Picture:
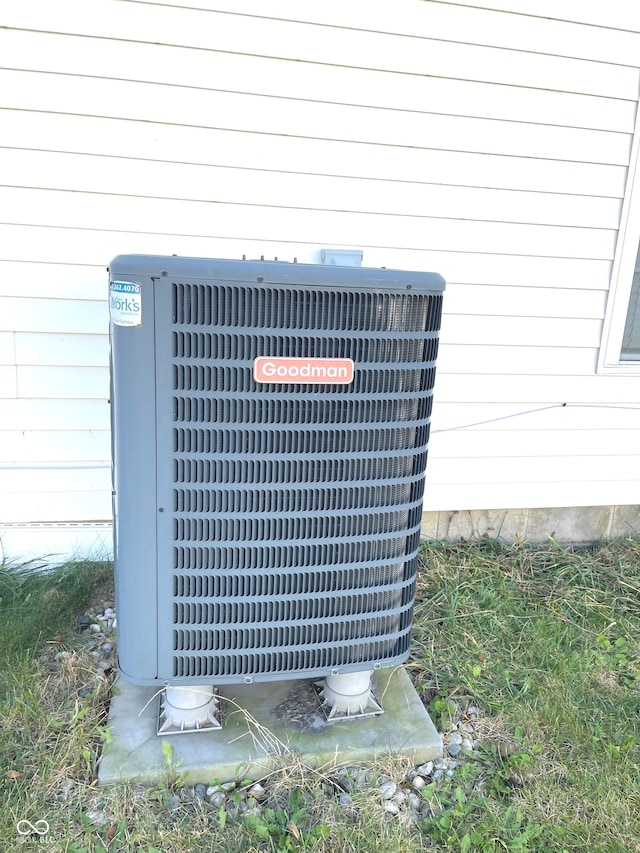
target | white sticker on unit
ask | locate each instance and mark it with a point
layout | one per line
(125, 303)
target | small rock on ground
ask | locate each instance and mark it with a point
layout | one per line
(388, 789)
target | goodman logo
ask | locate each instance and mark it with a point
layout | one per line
(310, 371)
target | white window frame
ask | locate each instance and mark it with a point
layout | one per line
(622, 272)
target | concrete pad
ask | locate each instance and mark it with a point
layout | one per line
(264, 726)
(429, 525)
(626, 521)
(568, 525)
(573, 525)
(508, 525)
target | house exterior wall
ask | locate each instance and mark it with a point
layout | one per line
(487, 142)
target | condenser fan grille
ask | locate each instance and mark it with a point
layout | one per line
(288, 490)
(293, 501)
(300, 409)
(239, 587)
(302, 441)
(334, 344)
(294, 308)
(286, 662)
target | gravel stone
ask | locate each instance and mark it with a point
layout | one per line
(453, 749)
(94, 628)
(217, 799)
(345, 799)
(437, 773)
(418, 783)
(345, 779)
(414, 801)
(200, 791)
(228, 786)
(427, 810)
(174, 803)
(257, 791)
(426, 769)
(467, 744)
(391, 808)
(455, 738)
(388, 789)
(361, 780)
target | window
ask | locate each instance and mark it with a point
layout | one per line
(631, 336)
(620, 345)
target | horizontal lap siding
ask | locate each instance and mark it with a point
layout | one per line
(32, 278)
(509, 417)
(618, 14)
(50, 506)
(487, 145)
(32, 414)
(183, 69)
(218, 184)
(157, 143)
(428, 18)
(78, 211)
(39, 265)
(415, 37)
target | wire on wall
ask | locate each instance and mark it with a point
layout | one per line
(539, 409)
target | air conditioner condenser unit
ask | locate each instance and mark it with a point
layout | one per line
(270, 424)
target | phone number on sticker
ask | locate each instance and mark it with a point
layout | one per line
(124, 287)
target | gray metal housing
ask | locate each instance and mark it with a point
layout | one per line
(267, 531)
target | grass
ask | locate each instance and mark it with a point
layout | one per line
(543, 641)
(547, 641)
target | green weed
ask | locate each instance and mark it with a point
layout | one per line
(287, 831)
